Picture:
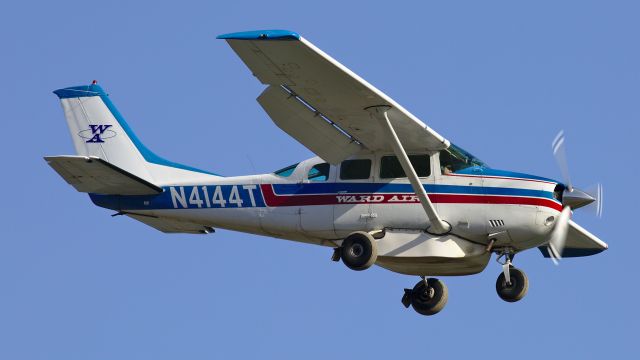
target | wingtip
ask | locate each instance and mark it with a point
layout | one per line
(261, 35)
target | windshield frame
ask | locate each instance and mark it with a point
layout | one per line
(463, 158)
(474, 159)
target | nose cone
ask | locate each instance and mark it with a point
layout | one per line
(576, 198)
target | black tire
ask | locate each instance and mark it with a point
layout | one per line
(518, 288)
(359, 251)
(431, 299)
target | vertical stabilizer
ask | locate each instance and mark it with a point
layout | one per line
(98, 129)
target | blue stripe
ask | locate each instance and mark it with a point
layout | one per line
(96, 90)
(367, 188)
(503, 173)
(261, 35)
(165, 200)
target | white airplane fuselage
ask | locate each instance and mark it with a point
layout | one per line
(512, 209)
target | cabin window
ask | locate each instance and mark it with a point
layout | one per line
(286, 172)
(319, 172)
(355, 169)
(390, 167)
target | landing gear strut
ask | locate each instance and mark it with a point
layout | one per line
(512, 284)
(428, 296)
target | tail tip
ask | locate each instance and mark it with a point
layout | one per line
(80, 91)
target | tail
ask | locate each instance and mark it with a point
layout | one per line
(98, 130)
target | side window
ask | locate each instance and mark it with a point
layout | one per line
(286, 172)
(390, 167)
(355, 169)
(319, 172)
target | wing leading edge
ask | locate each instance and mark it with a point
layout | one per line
(330, 92)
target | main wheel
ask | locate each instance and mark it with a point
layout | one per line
(359, 251)
(429, 299)
(518, 287)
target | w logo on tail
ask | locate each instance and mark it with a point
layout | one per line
(97, 133)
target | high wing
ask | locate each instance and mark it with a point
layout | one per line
(580, 242)
(320, 102)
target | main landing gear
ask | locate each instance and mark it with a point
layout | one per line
(428, 296)
(358, 251)
(512, 284)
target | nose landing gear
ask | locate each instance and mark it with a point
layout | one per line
(512, 284)
(428, 296)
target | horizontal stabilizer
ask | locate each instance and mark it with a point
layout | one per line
(91, 174)
(579, 243)
(171, 226)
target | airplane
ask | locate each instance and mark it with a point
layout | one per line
(384, 189)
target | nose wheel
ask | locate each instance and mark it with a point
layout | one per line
(428, 296)
(512, 284)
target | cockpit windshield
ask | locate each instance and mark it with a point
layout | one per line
(286, 172)
(455, 159)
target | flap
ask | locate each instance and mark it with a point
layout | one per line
(91, 174)
(306, 126)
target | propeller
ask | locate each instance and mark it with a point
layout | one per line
(572, 198)
(558, 236)
(597, 192)
(560, 154)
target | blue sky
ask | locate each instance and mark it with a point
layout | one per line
(499, 78)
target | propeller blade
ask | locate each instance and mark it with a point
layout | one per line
(558, 236)
(597, 192)
(560, 154)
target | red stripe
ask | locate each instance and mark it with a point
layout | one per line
(272, 200)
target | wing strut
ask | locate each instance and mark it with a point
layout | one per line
(438, 226)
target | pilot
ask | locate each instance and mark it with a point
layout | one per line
(446, 170)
